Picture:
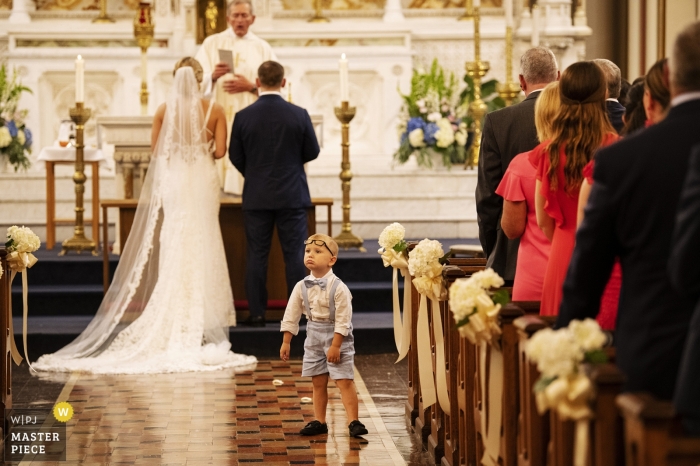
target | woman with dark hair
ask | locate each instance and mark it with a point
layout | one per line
(657, 97)
(635, 116)
(580, 127)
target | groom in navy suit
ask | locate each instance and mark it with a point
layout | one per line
(271, 140)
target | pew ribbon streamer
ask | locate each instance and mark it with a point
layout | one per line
(492, 413)
(402, 330)
(431, 287)
(570, 396)
(19, 262)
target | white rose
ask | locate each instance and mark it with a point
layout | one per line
(21, 138)
(487, 279)
(392, 235)
(415, 138)
(24, 239)
(444, 137)
(587, 334)
(555, 352)
(434, 117)
(461, 138)
(421, 258)
(5, 138)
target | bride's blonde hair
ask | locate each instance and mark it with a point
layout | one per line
(192, 63)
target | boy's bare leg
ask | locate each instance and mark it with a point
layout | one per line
(320, 383)
(348, 394)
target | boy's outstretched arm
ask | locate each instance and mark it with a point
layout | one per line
(284, 350)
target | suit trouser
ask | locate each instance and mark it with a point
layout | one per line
(292, 229)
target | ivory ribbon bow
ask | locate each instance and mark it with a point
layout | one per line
(570, 397)
(19, 262)
(483, 324)
(402, 331)
(430, 286)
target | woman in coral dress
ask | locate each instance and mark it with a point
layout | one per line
(580, 128)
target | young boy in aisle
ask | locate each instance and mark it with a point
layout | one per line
(329, 347)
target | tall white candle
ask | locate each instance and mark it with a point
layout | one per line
(509, 13)
(535, 26)
(344, 89)
(79, 79)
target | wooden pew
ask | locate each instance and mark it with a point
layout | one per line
(653, 435)
(5, 316)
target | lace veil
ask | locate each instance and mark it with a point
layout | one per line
(181, 148)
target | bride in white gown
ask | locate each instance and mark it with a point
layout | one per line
(168, 307)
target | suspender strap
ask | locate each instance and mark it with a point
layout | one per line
(305, 297)
(331, 299)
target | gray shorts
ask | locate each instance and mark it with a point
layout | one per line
(319, 336)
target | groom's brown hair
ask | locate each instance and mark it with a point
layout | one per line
(271, 74)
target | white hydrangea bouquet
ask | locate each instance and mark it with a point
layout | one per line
(559, 355)
(393, 246)
(475, 303)
(425, 265)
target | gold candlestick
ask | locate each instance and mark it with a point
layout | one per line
(143, 32)
(476, 70)
(318, 14)
(80, 115)
(346, 239)
(509, 90)
(103, 17)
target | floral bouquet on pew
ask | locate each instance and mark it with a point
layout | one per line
(21, 243)
(425, 265)
(475, 303)
(559, 355)
(394, 249)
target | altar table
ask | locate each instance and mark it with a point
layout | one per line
(233, 233)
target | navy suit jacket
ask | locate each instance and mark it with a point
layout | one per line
(631, 214)
(615, 112)
(685, 276)
(271, 140)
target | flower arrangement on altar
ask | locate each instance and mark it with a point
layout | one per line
(435, 117)
(475, 303)
(559, 355)
(15, 137)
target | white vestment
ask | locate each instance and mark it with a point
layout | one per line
(249, 52)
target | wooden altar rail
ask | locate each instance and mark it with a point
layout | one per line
(652, 435)
(5, 335)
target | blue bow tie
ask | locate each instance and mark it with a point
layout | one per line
(310, 282)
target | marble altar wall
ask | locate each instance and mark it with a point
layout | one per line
(43, 45)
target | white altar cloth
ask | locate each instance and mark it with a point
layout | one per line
(67, 154)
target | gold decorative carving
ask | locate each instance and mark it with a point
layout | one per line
(341, 5)
(5, 4)
(211, 18)
(211, 14)
(441, 4)
(81, 5)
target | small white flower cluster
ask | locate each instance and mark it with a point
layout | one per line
(469, 298)
(417, 138)
(392, 235)
(23, 239)
(423, 257)
(558, 353)
(5, 137)
(445, 135)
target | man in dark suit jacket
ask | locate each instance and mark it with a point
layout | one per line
(684, 272)
(614, 79)
(631, 214)
(271, 140)
(507, 133)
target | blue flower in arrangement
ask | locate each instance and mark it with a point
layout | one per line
(15, 138)
(12, 127)
(415, 123)
(430, 130)
(28, 138)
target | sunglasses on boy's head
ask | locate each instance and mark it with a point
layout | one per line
(319, 242)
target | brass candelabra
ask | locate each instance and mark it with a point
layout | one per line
(318, 14)
(346, 239)
(103, 17)
(476, 70)
(80, 115)
(509, 90)
(143, 32)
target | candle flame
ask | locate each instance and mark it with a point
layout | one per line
(80, 57)
(342, 56)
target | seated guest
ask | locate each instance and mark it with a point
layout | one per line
(613, 80)
(685, 276)
(635, 115)
(579, 128)
(656, 94)
(624, 90)
(519, 219)
(631, 214)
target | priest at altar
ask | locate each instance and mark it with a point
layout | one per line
(233, 89)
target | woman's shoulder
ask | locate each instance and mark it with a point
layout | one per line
(537, 156)
(522, 166)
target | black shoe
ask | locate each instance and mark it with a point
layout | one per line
(314, 428)
(254, 321)
(357, 428)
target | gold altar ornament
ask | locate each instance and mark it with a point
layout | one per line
(212, 15)
(143, 32)
(318, 14)
(509, 90)
(80, 115)
(103, 17)
(476, 70)
(346, 239)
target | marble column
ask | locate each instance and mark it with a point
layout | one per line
(393, 12)
(19, 13)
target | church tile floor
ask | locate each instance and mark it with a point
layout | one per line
(224, 418)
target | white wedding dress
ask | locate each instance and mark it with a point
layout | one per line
(168, 307)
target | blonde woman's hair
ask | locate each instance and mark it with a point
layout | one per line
(192, 63)
(581, 123)
(330, 242)
(546, 108)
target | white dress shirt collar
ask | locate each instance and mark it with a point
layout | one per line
(260, 94)
(330, 272)
(685, 97)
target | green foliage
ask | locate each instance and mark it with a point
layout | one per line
(501, 297)
(596, 357)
